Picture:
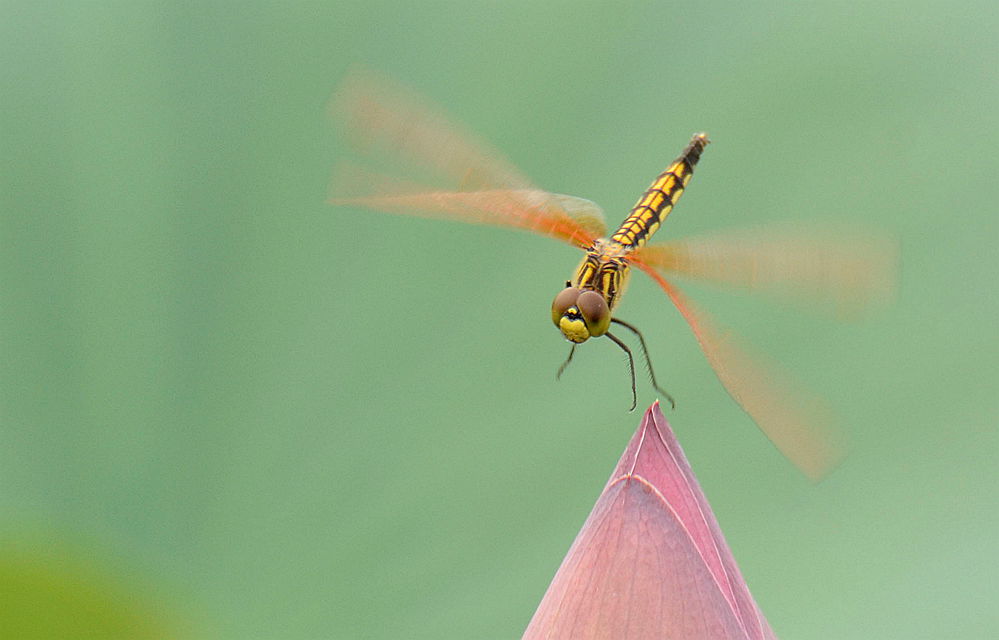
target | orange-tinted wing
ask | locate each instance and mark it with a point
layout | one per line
(798, 423)
(573, 220)
(845, 272)
(450, 173)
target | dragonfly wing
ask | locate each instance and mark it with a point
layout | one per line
(383, 119)
(797, 422)
(387, 123)
(533, 210)
(586, 213)
(845, 272)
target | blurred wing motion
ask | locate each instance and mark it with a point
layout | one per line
(573, 220)
(472, 182)
(848, 273)
(798, 423)
(844, 272)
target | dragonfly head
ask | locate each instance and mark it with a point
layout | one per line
(580, 314)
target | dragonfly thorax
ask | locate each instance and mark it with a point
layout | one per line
(604, 269)
(608, 249)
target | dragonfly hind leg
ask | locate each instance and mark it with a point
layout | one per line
(631, 367)
(648, 361)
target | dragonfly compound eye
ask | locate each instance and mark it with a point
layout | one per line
(596, 314)
(568, 318)
(563, 301)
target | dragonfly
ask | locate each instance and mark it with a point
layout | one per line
(437, 168)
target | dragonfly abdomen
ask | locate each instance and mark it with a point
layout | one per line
(658, 200)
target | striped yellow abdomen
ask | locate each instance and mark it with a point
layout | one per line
(658, 200)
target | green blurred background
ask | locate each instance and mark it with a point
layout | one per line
(225, 414)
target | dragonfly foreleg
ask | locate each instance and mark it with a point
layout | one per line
(565, 364)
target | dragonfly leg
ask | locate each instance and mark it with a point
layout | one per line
(648, 361)
(565, 364)
(631, 366)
